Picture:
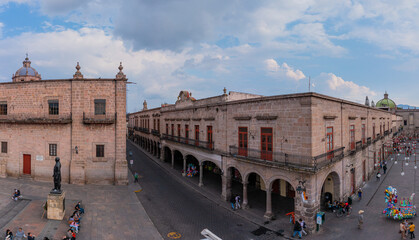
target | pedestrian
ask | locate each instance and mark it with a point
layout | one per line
(237, 203)
(297, 229)
(360, 194)
(232, 202)
(20, 234)
(378, 175)
(136, 177)
(303, 226)
(402, 230)
(412, 230)
(9, 235)
(360, 218)
(31, 236)
(385, 168)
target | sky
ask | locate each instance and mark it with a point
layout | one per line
(347, 49)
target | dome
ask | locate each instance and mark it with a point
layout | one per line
(386, 103)
(26, 73)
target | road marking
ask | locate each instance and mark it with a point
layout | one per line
(174, 235)
(138, 190)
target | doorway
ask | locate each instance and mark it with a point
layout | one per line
(26, 164)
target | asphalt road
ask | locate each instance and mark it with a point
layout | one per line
(175, 207)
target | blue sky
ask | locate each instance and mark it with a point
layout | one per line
(349, 49)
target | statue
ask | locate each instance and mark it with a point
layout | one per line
(57, 176)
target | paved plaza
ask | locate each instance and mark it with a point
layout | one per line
(112, 212)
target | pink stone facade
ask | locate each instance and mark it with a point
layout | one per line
(29, 129)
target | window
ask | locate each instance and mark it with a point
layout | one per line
(53, 107)
(329, 142)
(197, 135)
(53, 149)
(173, 129)
(405, 122)
(158, 125)
(3, 108)
(167, 129)
(352, 136)
(100, 150)
(363, 133)
(373, 131)
(243, 141)
(381, 129)
(209, 136)
(3, 147)
(266, 143)
(187, 133)
(154, 124)
(178, 131)
(100, 106)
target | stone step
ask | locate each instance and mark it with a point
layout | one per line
(9, 212)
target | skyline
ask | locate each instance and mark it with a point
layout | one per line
(349, 49)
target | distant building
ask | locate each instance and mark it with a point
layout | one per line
(80, 120)
(292, 151)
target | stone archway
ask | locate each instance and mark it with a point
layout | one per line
(330, 189)
(210, 176)
(233, 184)
(177, 160)
(282, 198)
(254, 191)
(167, 155)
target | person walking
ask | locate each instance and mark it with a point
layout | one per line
(378, 175)
(20, 234)
(31, 236)
(9, 235)
(360, 218)
(359, 194)
(136, 177)
(303, 226)
(232, 202)
(412, 230)
(402, 230)
(237, 203)
(384, 168)
(297, 229)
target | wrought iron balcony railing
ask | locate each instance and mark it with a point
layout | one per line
(190, 142)
(281, 159)
(358, 145)
(144, 130)
(155, 132)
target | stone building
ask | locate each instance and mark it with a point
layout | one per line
(280, 153)
(80, 120)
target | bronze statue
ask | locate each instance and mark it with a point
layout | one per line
(57, 176)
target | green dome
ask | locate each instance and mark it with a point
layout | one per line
(385, 102)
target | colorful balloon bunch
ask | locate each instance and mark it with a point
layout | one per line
(405, 210)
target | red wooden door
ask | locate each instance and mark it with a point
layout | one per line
(364, 171)
(329, 142)
(209, 136)
(26, 164)
(352, 134)
(266, 144)
(197, 135)
(243, 141)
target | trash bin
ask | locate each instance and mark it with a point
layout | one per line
(320, 218)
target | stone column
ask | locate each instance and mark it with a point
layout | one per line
(268, 214)
(245, 203)
(226, 187)
(201, 174)
(173, 160)
(184, 166)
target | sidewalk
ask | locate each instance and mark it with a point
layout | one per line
(112, 212)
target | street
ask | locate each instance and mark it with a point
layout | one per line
(176, 208)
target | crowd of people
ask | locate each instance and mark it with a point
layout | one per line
(407, 229)
(20, 235)
(74, 222)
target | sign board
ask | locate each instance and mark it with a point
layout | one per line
(39, 158)
(319, 219)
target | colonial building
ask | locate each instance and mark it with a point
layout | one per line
(80, 120)
(292, 151)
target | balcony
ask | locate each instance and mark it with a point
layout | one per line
(91, 118)
(144, 130)
(155, 132)
(280, 159)
(190, 142)
(36, 118)
(369, 141)
(358, 145)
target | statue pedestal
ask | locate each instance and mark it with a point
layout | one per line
(56, 206)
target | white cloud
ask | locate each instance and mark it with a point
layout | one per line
(284, 70)
(345, 89)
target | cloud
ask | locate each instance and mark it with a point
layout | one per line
(344, 89)
(274, 68)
